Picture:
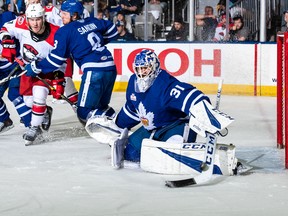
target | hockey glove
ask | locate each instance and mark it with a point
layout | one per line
(32, 70)
(9, 49)
(58, 85)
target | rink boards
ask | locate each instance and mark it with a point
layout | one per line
(247, 68)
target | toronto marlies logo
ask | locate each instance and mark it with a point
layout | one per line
(146, 118)
(29, 53)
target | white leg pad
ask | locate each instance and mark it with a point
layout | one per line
(184, 158)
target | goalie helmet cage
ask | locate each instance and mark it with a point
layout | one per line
(282, 93)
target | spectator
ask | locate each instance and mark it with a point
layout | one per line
(88, 5)
(221, 30)
(7, 7)
(113, 7)
(124, 35)
(179, 31)
(221, 7)
(164, 4)
(19, 6)
(233, 8)
(121, 17)
(284, 27)
(131, 8)
(239, 32)
(209, 23)
(156, 10)
(100, 14)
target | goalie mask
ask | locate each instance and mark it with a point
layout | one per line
(146, 66)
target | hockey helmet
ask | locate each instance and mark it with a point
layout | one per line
(34, 11)
(27, 2)
(72, 6)
(146, 66)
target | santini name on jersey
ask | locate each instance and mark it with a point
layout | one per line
(87, 28)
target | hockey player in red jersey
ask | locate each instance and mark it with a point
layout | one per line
(36, 37)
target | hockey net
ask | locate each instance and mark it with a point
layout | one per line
(282, 93)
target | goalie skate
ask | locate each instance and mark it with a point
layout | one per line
(242, 168)
(117, 150)
(34, 134)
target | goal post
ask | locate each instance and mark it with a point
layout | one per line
(282, 93)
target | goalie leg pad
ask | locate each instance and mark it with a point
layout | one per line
(184, 158)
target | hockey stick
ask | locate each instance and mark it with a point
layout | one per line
(74, 106)
(209, 157)
(11, 75)
(21, 64)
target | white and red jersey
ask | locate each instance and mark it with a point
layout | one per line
(220, 32)
(52, 15)
(31, 47)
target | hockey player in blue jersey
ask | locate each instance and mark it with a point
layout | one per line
(7, 65)
(157, 100)
(85, 40)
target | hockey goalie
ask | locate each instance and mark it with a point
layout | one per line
(168, 115)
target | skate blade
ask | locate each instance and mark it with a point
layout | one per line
(39, 139)
(6, 129)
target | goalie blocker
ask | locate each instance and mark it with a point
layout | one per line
(185, 158)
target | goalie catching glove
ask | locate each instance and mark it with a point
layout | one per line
(103, 129)
(205, 118)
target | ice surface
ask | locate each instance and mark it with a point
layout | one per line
(70, 174)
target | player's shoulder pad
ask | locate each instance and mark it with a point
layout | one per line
(21, 22)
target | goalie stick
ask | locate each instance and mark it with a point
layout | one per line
(208, 163)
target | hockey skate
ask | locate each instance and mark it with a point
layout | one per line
(117, 150)
(33, 133)
(6, 125)
(47, 118)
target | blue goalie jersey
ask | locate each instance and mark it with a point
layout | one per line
(166, 101)
(85, 40)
